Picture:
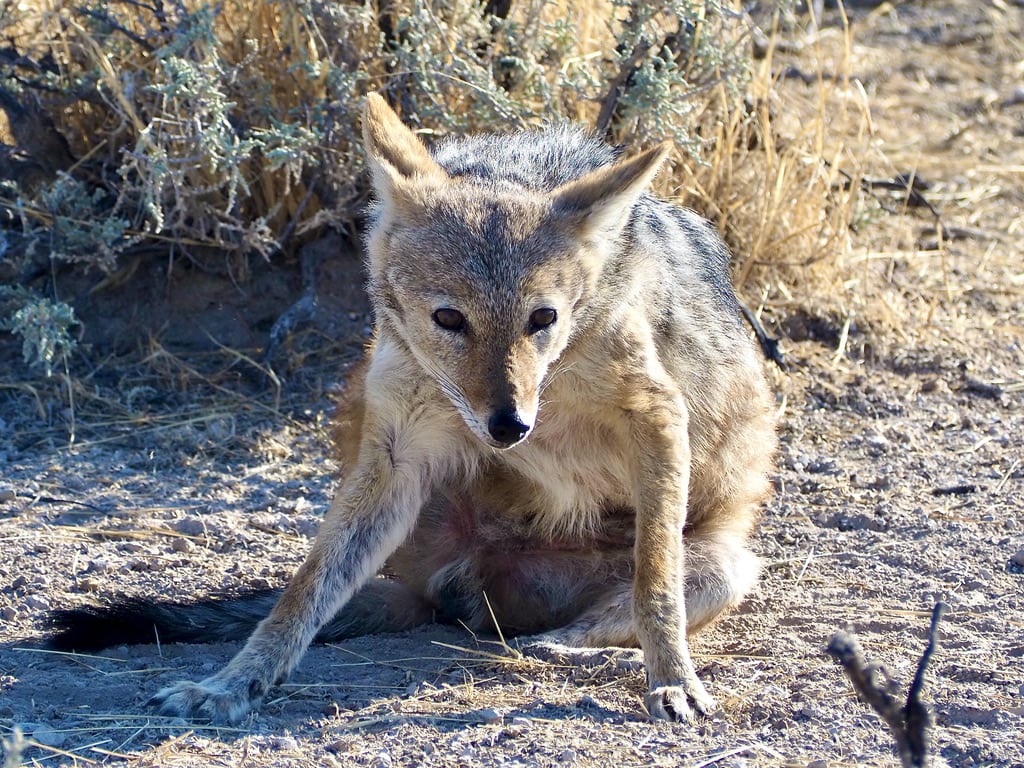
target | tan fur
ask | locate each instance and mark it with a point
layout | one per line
(621, 517)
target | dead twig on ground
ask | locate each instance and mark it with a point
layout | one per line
(56, 500)
(769, 344)
(910, 723)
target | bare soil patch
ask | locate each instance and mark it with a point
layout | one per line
(901, 481)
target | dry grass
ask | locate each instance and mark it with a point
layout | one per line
(767, 170)
(208, 126)
(220, 403)
(917, 271)
(780, 165)
(781, 177)
(217, 137)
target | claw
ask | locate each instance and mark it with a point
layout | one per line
(673, 703)
(670, 700)
(211, 700)
(668, 703)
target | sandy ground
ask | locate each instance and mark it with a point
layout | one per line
(901, 481)
(895, 489)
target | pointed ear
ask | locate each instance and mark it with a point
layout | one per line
(398, 159)
(599, 203)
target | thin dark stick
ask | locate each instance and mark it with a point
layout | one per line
(105, 18)
(911, 723)
(769, 344)
(618, 86)
(55, 500)
(915, 687)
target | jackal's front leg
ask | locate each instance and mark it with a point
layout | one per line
(371, 515)
(660, 429)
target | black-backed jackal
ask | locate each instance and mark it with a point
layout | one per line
(560, 411)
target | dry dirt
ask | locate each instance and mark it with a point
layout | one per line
(901, 481)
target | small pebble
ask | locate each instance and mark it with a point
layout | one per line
(37, 603)
(182, 545)
(338, 747)
(6, 495)
(487, 715)
(284, 744)
(935, 385)
(190, 526)
(876, 443)
(89, 585)
(1018, 558)
(43, 734)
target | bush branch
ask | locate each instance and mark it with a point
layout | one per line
(910, 724)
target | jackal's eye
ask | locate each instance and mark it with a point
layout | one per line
(542, 318)
(450, 319)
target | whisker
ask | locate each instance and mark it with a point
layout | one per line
(453, 392)
(560, 369)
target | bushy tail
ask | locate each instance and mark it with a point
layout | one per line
(381, 606)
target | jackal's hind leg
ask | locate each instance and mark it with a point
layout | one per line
(381, 605)
(585, 643)
(720, 571)
(603, 636)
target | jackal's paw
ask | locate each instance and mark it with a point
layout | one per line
(676, 703)
(217, 699)
(618, 659)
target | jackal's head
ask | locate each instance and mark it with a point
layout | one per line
(484, 280)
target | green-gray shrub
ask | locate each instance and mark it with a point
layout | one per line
(43, 325)
(201, 138)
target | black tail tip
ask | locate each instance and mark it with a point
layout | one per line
(93, 629)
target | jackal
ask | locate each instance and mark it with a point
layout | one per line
(561, 425)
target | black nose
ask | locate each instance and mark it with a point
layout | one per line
(506, 428)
